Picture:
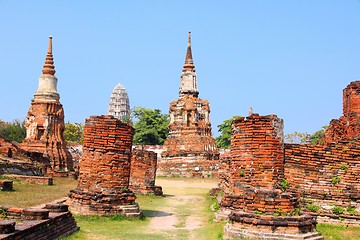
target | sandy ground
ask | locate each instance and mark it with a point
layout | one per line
(178, 196)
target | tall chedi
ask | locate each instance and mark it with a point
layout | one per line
(45, 121)
(119, 105)
(189, 145)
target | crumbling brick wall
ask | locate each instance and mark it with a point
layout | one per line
(347, 127)
(326, 172)
(105, 169)
(143, 172)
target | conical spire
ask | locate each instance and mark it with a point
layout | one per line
(189, 63)
(49, 68)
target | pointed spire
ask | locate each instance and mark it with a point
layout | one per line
(189, 63)
(250, 111)
(49, 68)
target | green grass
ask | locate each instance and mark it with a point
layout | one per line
(183, 198)
(28, 194)
(338, 232)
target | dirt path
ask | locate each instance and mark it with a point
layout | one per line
(184, 207)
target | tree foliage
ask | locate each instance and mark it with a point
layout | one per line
(13, 131)
(151, 126)
(318, 136)
(74, 132)
(224, 140)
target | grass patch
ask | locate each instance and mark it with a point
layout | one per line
(184, 198)
(338, 232)
(28, 194)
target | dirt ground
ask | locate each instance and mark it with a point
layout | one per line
(182, 198)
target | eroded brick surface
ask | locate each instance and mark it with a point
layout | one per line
(347, 127)
(103, 183)
(143, 172)
(255, 185)
(52, 222)
(46, 121)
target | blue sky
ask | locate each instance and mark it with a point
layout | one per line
(290, 58)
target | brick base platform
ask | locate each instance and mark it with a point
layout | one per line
(92, 203)
(37, 223)
(254, 226)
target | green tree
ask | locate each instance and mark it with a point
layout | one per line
(318, 136)
(151, 126)
(13, 131)
(74, 132)
(224, 140)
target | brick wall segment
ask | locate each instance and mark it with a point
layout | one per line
(143, 172)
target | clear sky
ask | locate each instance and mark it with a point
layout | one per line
(290, 58)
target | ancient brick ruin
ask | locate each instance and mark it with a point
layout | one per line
(189, 149)
(143, 172)
(347, 127)
(45, 121)
(15, 160)
(257, 197)
(328, 175)
(103, 183)
(52, 222)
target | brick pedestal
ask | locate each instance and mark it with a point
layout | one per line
(257, 198)
(103, 183)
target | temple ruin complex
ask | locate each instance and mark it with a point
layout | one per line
(189, 150)
(45, 121)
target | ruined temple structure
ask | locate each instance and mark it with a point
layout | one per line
(143, 172)
(103, 183)
(347, 127)
(190, 149)
(260, 206)
(45, 121)
(328, 174)
(119, 105)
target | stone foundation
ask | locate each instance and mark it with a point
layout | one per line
(143, 172)
(51, 223)
(103, 183)
(97, 203)
(252, 226)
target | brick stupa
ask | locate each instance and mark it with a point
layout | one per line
(259, 204)
(45, 121)
(103, 183)
(189, 137)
